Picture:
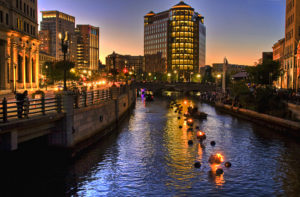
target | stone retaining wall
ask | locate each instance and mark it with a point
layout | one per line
(279, 124)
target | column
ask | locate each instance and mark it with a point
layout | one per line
(3, 66)
(13, 63)
(30, 67)
(37, 67)
(24, 68)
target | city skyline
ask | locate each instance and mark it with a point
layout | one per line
(225, 22)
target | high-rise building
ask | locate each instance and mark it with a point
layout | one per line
(57, 22)
(292, 37)
(180, 35)
(154, 63)
(87, 47)
(278, 55)
(19, 46)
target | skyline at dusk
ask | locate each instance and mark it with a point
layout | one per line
(239, 30)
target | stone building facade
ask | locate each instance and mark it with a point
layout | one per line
(19, 45)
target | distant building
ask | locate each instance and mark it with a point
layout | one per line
(87, 47)
(231, 68)
(57, 22)
(45, 57)
(179, 35)
(278, 55)
(266, 56)
(132, 63)
(45, 41)
(19, 45)
(292, 37)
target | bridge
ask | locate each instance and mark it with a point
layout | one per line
(180, 87)
(67, 119)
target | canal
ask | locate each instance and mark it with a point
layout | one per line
(149, 155)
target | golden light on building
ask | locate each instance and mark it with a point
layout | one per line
(179, 35)
(19, 46)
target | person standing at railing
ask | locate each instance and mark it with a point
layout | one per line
(20, 102)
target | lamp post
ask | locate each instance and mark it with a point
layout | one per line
(46, 77)
(191, 74)
(114, 67)
(218, 78)
(64, 49)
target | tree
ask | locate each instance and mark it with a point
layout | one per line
(264, 73)
(208, 76)
(54, 71)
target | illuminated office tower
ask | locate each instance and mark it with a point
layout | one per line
(57, 22)
(180, 35)
(87, 47)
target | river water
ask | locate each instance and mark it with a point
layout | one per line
(149, 155)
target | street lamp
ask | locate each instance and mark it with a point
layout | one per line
(218, 77)
(64, 49)
(46, 77)
(114, 67)
(191, 73)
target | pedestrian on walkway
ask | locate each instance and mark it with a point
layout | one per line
(20, 102)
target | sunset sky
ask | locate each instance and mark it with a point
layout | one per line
(237, 29)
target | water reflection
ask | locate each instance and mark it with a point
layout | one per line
(218, 179)
(149, 156)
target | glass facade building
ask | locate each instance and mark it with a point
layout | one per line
(87, 47)
(180, 35)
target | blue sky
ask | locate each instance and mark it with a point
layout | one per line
(237, 29)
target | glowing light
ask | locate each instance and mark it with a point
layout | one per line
(72, 70)
(216, 159)
(198, 75)
(200, 133)
(185, 102)
(221, 157)
(190, 120)
(169, 74)
(125, 70)
(219, 76)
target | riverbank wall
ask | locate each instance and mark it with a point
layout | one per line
(287, 127)
(85, 126)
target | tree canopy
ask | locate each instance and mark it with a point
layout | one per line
(54, 71)
(264, 73)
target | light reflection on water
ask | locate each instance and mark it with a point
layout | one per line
(160, 162)
(150, 156)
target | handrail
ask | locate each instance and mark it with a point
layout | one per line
(19, 109)
(13, 110)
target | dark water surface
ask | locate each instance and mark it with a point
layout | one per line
(149, 156)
